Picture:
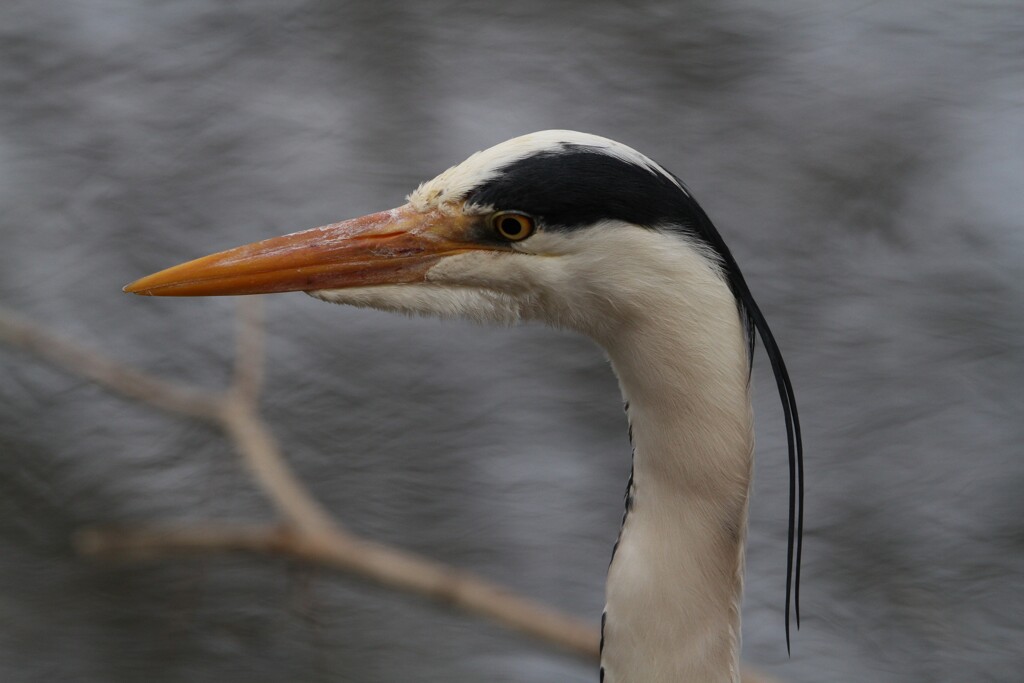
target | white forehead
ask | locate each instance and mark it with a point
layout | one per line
(483, 166)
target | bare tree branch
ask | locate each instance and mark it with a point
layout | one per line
(233, 411)
(311, 535)
(381, 564)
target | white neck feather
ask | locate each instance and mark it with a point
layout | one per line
(669, 323)
(675, 583)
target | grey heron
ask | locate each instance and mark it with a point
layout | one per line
(586, 234)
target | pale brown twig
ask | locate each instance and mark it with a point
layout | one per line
(263, 458)
(157, 392)
(240, 418)
(249, 338)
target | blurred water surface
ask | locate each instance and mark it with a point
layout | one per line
(863, 160)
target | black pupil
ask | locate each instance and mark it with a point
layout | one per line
(511, 226)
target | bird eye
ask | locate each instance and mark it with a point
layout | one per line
(511, 225)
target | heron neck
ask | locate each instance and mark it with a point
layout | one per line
(676, 578)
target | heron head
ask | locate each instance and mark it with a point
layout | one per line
(570, 229)
(557, 226)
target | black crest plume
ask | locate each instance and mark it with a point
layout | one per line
(757, 325)
(756, 322)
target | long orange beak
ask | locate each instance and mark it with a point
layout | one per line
(390, 247)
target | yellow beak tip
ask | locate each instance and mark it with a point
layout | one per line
(136, 287)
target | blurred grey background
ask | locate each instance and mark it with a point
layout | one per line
(863, 160)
